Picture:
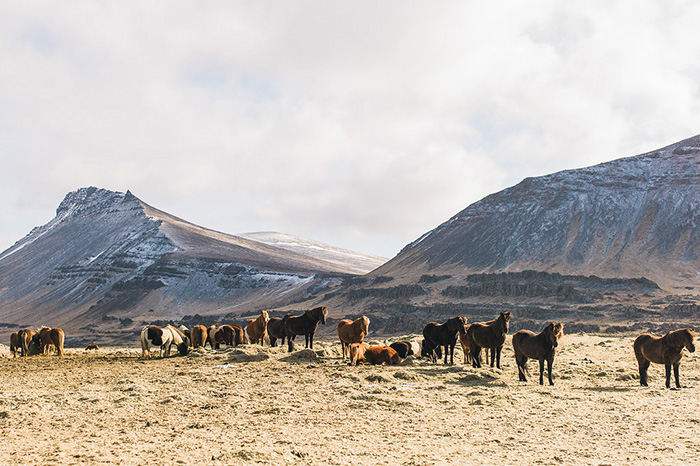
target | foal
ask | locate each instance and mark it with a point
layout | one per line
(541, 347)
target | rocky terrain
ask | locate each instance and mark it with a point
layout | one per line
(261, 405)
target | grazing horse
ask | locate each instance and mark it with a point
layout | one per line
(275, 330)
(49, 339)
(464, 342)
(257, 328)
(665, 350)
(25, 337)
(404, 348)
(439, 335)
(231, 335)
(198, 336)
(304, 324)
(361, 353)
(211, 336)
(14, 344)
(92, 347)
(351, 332)
(164, 338)
(488, 335)
(541, 347)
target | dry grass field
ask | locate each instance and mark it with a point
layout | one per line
(255, 405)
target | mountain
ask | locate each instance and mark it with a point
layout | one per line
(633, 217)
(109, 260)
(349, 261)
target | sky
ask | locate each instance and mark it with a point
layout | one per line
(362, 124)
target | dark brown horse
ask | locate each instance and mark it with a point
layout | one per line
(488, 335)
(304, 324)
(665, 350)
(275, 330)
(541, 347)
(443, 335)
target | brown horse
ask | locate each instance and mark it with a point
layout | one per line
(25, 337)
(50, 339)
(257, 328)
(231, 335)
(361, 353)
(198, 335)
(275, 331)
(14, 344)
(541, 347)
(665, 350)
(304, 324)
(488, 335)
(351, 332)
(443, 335)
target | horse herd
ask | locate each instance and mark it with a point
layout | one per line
(437, 339)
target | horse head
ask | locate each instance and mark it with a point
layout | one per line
(682, 338)
(320, 314)
(364, 324)
(554, 332)
(504, 319)
(690, 335)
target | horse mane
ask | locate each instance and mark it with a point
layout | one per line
(678, 338)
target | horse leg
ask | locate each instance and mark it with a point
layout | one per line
(550, 361)
(290, 342)
(452, 352)
(541, 371)
(668, 376)
(273, 340)
(493, 356)
(498, 356)
(521, 361)
(476, 356)
(311, 340)
(643, 366)
(676, 366)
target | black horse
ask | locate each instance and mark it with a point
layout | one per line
(439, 335)
(304, 324)
(275, 330)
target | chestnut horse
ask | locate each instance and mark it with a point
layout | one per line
(25, 337)
(304, 324)
(198, 335)
(50, 338)
(665, 350)
(488, 335)
(275, 331)
(541, 347)
(443, 335)
(351, 332)
(361, 353)
(257, 328)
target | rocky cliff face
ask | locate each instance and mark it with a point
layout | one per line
(632, 217)
(107, 259)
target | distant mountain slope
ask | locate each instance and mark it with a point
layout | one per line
(108, 258)
(344, 259)
(633, 217)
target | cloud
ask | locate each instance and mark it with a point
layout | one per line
(356, 123)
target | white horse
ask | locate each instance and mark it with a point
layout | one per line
(163, 337)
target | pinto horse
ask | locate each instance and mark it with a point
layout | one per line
(541, 347)
(275, 330)
(304, 324)
(490, 335)
(351, 332)
(666, 350)
(257, 328)
(443, 335)
(164, 338)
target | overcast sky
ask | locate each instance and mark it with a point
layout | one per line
(360, 124)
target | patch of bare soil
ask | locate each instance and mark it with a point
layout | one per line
(253, 405)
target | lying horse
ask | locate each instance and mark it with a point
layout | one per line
(14, 344)
(403, 348)
(164, 338)
(275, 330)
(541, 347)
(49, 339)
(439, 335)
(25, 337)
(92, 347)
(351, 332)
(665, 350)
(488, 335)
(257, 328)
(304, 324)
(361, 353)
